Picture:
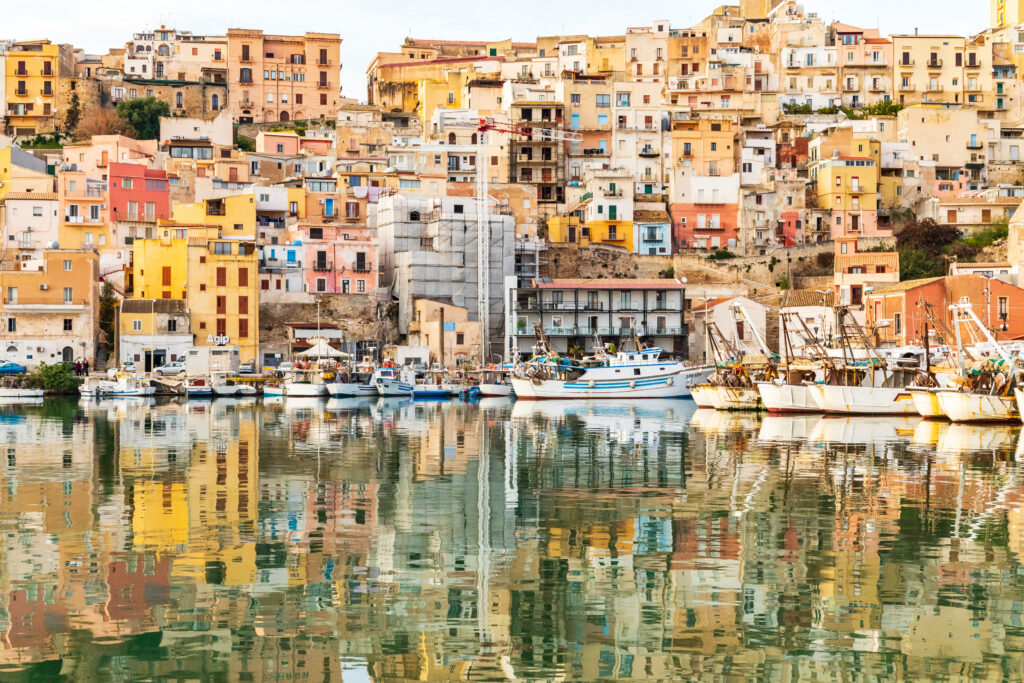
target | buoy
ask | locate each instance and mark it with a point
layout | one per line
(670, 382)
(632, 384)
(590, 384)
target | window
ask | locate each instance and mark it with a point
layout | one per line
(68, 325)
(67, 265)
(221, 247)
(243, 305)
(243, 277)
(460, 338)
(604, 101)
(68, 295)
(897, 323)
(360, 286)
(172, 325)
(222, 277)
(136, 326)
(1004, 308)
(222, 327)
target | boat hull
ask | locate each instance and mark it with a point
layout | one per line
(556, 389)
(350, 390)
(391, 387)
(966, 407)
(702, 396)
(21, 393)
(273, 391)
(844, 400)
(787, 398)
(926, 401)
(495, 389)
(299, 389)
(736, 398)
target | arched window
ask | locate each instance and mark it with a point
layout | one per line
(178, 101)
(451, 138)
(473, 139)
(284, 116)
(215, 101)
(164, 51)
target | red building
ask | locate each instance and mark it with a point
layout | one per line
(704, 226)
(791, 227)
(138, 193)
(898, 313)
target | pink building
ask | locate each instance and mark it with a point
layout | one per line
(138, 193)
(338, 259)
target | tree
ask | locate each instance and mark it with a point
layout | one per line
(99, 121)
(73, 114)
(108, 302)
(143, 114)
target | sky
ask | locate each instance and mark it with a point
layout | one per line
(381, 25)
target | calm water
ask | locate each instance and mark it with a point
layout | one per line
(389, 541)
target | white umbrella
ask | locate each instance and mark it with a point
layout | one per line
(321, 350)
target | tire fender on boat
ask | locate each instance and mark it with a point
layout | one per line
(669, 382)
(591, 384)
(632, 384)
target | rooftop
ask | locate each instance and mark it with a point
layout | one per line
(610, 283)
(169, 306)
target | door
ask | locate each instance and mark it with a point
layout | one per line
(67, 355)
(233, 174)
(951, 216)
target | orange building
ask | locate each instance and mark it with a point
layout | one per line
(898, 312)
(283, 78)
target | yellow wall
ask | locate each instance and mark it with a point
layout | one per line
(828, 190)
(150, 258)
(1007, 12)
(38, 120)
(239, 210)
(203, 265)
(599, 232)
(21, 179)
(558, 228)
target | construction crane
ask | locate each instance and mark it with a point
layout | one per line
(483, 126)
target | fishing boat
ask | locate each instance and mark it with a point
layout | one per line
(352, 381)
(387, 381)
(130, 386)
(639, 373)
(305, 382)
(734, 383)
(494, 381)
(198, 387)
(789, 391)
(19, 392)
(986, 387)
(272, 389)
(702, 395)
(223, 384)
(861, 382)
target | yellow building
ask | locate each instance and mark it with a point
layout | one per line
(848, 187)
(223, 300)
(1007, 13)
(217, 276)
(567, 229)
(22, 172)
(160, 265)
(31, 77)
(234, 215)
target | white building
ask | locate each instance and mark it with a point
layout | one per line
(428, 249)
(153, 332)
(734, 327)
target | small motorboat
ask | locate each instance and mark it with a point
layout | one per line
(198, 387)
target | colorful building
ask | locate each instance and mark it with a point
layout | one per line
(31, 83)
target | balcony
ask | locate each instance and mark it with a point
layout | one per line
(652, 237)
(614, 194)
(906, 62)
(975, 145)
(935, 88)
(21, 92)
(322, 267)
(649, 153)
(877, 87)
(934, 63)
(851, 87)
(361, 268)
(323, 85)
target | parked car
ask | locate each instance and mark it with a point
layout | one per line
(247, 368)
(174, 368)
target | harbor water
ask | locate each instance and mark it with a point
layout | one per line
(386, 540)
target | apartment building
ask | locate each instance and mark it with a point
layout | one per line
(152, 332)
(32, 73)
(337, 259)
(864, 65)
(50, 308)
(283, 78)
(169, 54)
(575, 312)
(705, 183)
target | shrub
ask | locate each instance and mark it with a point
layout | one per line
(58, 379)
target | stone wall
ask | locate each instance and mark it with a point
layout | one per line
(355, 314)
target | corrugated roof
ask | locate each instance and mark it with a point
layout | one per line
(611, 283)
(197, 241)
(985, 264)
(169, 306)
(905, 286)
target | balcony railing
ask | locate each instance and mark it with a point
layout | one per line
(934, 63)
(321, 267)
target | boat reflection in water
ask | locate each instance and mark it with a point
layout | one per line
(400, 540)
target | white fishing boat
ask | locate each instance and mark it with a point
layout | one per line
(353, 382)
(495, 382)
(129, 386)
(735, 398)
(638, 373)
(306, 383)
(387, 382)
(223, 384)
(733, 383)
(863, 400)
(781, 397)
(16, 392)
(926, 401)
(701, 395)
(198, 387)
(986, 387)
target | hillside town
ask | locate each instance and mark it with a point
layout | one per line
(184, 191)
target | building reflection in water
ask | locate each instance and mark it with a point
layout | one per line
(433, 541)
